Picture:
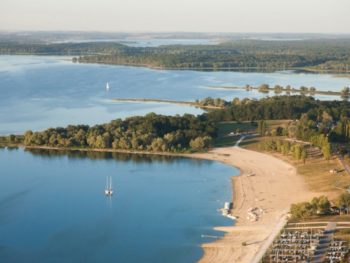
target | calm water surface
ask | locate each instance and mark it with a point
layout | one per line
(41, 92)
(53, 208)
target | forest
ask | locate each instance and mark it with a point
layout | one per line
(280, 107)
(314, 54)
(149, 133)
(318, 122)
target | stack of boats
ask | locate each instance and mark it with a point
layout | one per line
(227, 210)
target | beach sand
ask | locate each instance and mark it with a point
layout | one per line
(274, 186)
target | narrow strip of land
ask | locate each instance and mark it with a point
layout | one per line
(293, 90)
(179, 102)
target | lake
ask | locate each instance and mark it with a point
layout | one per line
(52, 204)
(41, 92)
(53, 207)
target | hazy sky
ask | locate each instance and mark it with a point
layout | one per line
(325, 16)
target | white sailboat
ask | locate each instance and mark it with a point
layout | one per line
(109, 189)
(107, 87)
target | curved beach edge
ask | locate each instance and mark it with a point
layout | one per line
(274, 186)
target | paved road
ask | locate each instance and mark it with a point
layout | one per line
(269, 240)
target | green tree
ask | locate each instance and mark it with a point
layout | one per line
(197, 144)
(326, 151)
(304, 155)
(321, 204)
(344, 201)
(302, 210)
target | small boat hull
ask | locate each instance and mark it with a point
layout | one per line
(109, 192)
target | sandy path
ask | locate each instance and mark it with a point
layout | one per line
(273, 188)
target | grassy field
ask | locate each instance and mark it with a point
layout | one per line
(224, 128)
(318, 177)
(315, 170)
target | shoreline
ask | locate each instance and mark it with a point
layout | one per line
(178, 102)
(273, 188)
(215, 69)
(292, 91)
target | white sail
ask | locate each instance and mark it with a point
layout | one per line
(109, 190)
(107, 86)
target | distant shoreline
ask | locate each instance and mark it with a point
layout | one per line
(271, 89)
(209, 69)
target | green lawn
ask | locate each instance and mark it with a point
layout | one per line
(224, 128)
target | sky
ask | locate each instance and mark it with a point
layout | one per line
(258, 16)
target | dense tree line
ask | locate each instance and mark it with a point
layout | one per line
(318, 122)
(317, 206)
(217, 102)
(296, 150)
(149, 133)
(241, 54)
(322, 54)
(280, 107)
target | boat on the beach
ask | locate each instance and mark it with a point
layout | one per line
(226, 211)
(109, 189)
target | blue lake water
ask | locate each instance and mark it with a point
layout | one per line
(41, 92)
(53, 207)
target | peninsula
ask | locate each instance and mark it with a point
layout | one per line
(287, 161)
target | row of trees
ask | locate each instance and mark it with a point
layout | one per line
(278, 89)
(217, 102)
(319, 206)
(151, 132)
(295, 150)
(281, 107)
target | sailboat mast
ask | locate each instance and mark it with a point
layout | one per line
(110, 183)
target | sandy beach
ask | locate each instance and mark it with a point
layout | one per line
(273, 185)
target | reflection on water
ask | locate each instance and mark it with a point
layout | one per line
(97, 155)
